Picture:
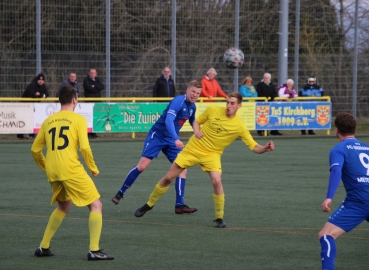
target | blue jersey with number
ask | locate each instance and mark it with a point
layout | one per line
(182, 110)
(353, 158)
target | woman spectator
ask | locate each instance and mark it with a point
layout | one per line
(210, 86)
(286, 90)
(247, 88)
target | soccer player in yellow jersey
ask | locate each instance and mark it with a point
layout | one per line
(62, 132)
(219, 128)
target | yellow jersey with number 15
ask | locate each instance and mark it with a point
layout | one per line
(219, 131)
(62, 132)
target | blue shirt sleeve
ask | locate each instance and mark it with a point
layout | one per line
(169, 123)
(334, 181)
(242, 91)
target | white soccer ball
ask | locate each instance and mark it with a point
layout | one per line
(233, 58)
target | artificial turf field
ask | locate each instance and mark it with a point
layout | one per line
(272, 212)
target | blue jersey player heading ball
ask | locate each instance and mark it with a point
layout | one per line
(164, 137)
(349, 161)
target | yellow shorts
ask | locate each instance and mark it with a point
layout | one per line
(208, 161)
(81, 191)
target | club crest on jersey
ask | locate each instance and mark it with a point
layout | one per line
(191, 112)
(262, 115)
(322, 116)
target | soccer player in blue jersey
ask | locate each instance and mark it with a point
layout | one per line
(219, 128)
(349, 161)
(163, 137)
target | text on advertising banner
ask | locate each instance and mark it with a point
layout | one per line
(44, 110)
(126, 117)
(16, 118)
(293, 115)
(139, 117)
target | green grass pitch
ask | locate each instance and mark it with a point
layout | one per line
(272, 212)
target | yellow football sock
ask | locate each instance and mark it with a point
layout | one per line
(55, 220)
(219, 205)
(95, 226)
(156, 194)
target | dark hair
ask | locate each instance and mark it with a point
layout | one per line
(236, 95)
(345, 123)
(66, 94)
(195, 83)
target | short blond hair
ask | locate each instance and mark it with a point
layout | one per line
(195, 83)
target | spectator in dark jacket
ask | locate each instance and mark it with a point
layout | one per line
(92, 87)
(36, 89)
(92, 84)
(266, 88)
(311, 89)
(164, 85)
(71, 80)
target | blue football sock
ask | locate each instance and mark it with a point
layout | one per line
(328, 253)
(130, 179)
(180, 190)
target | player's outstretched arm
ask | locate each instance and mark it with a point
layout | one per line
(259, 149)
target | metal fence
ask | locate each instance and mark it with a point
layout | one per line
(73, 38)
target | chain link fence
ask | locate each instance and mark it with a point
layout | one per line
(73, 39)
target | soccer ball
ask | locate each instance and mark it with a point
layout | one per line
(233, 58)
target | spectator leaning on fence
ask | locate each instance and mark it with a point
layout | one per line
(36, 89)
(164, 85)
(210, 86)
(71, 80)
(267, 89)
(311, 89)
(286, 90)
(247, 89)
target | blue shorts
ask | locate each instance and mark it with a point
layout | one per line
(154, 144)
(349, 215)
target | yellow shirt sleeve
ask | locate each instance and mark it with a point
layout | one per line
(85, 148)
(37, 147)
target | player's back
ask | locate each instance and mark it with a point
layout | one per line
(62, 133)
(355, 170)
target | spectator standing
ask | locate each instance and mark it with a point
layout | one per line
(210, 86)
(71, 80)
(267, 89)
(164, 85)
(92, 87)
(247, 88)
(286, 90)
(311, 89)
(36, 89)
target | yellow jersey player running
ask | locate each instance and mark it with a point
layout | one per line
(62, 132)
(219, 128)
